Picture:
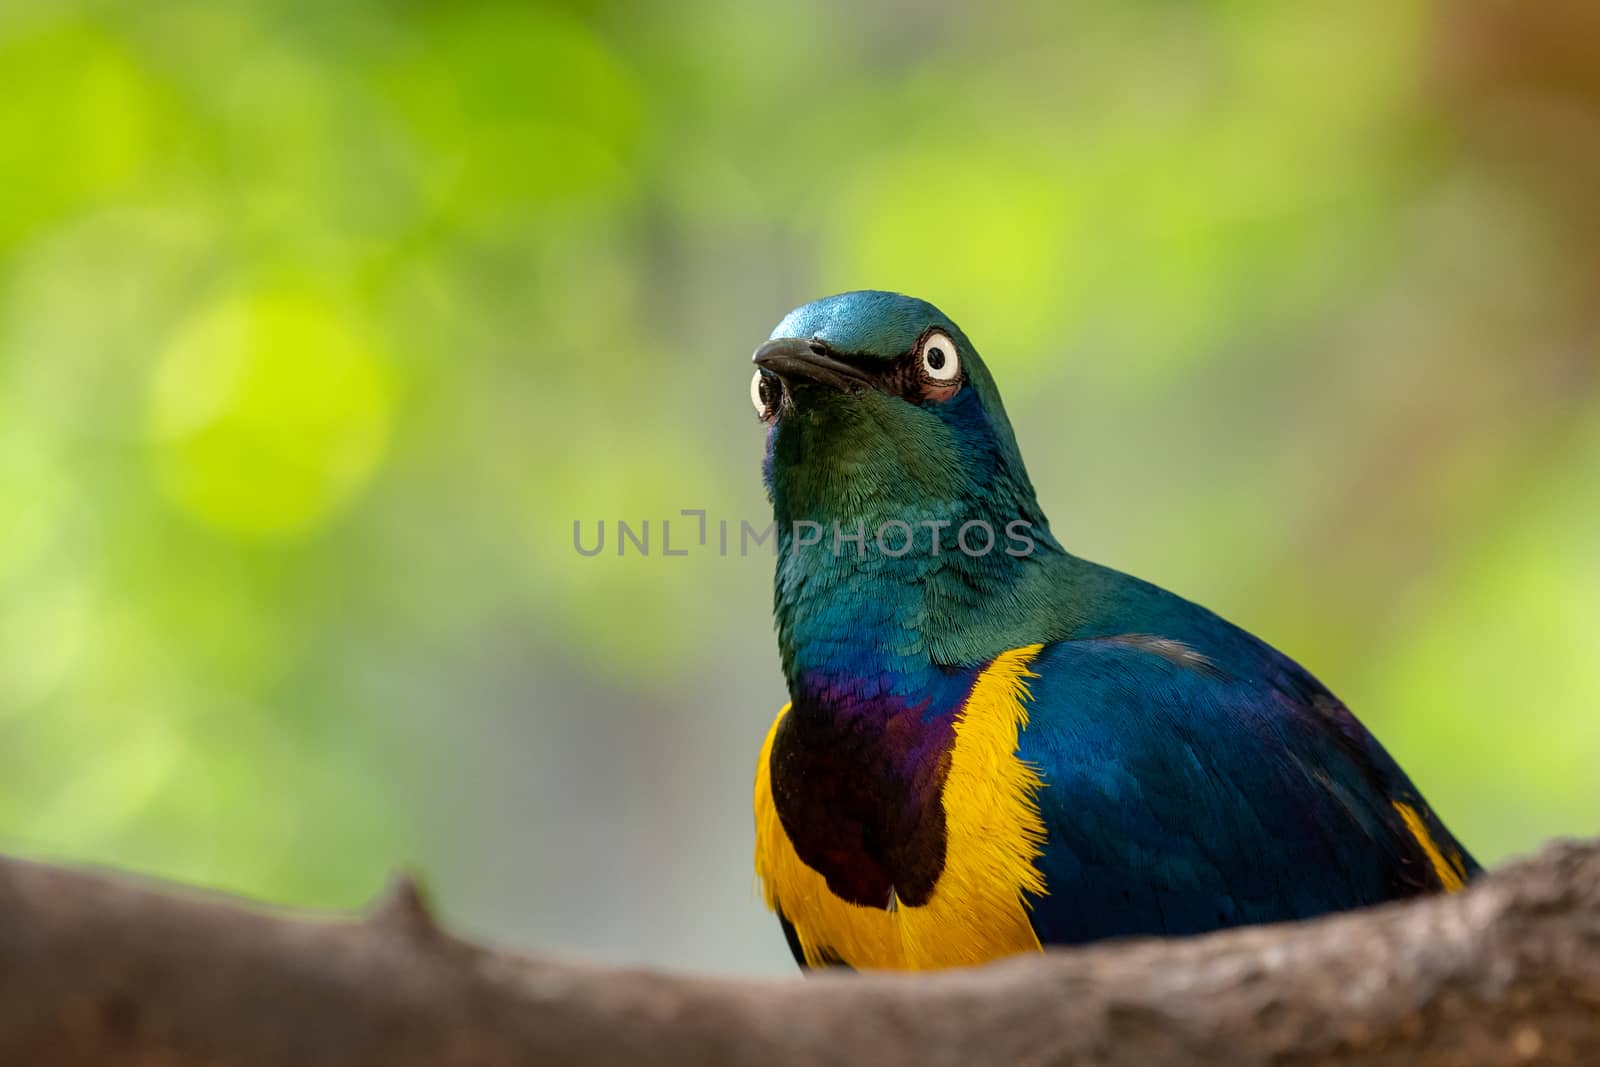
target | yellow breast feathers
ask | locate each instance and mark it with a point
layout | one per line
(994, 832)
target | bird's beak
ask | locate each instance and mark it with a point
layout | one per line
(795, 359)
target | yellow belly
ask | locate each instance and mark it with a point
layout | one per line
(977, 911)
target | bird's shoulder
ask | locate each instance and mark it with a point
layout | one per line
(1195, 777)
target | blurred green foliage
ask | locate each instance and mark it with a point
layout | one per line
(320, 324)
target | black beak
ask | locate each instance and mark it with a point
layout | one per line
(795, 359)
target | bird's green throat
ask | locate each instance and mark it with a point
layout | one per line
(905, 516)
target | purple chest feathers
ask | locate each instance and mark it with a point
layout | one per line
(858, 793)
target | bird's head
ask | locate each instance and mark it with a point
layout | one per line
(878, 407)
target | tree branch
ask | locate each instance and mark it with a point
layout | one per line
(98, 969)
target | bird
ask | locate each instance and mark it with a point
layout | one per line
(993, 746)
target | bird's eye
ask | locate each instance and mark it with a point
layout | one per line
(765, 392)
(940, 361)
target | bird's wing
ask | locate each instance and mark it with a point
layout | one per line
(1179, 798)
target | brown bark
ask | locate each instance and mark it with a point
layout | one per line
(99, 969)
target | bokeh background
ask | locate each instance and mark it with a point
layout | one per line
(321, 324)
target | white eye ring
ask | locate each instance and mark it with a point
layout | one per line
(940, 360)
(763, 411)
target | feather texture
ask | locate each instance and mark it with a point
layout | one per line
(986, 752)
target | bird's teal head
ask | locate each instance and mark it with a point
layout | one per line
(901, 502)
(879, 408)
